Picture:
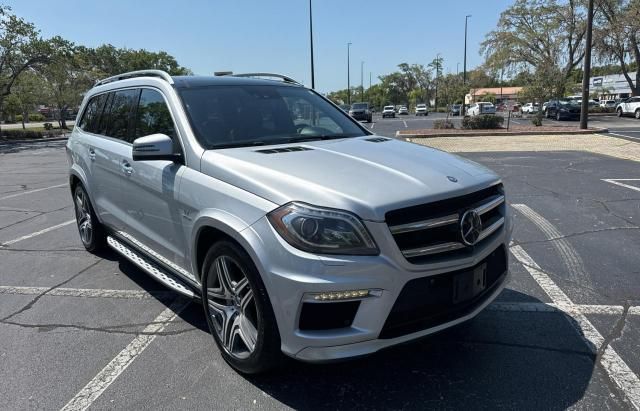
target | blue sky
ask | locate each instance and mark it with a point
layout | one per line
(272, 35)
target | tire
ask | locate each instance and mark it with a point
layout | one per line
(250, 343)
(92, 233)
(619, 112)
(546, 114)
(558, 117)
(638, 113)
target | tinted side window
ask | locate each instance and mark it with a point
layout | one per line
(121, 110)
(153, 115)
(91, 113)
(104, 119)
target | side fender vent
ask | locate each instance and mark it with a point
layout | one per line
(283, 150)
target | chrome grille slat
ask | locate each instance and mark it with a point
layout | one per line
(489, 205)
(491, 229)
(434, 249)
(421, 225)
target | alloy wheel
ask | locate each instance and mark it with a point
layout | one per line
(232, 307)
(83, 217)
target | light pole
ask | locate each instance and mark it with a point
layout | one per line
(457, 68)
(584, 111)
(437, 77)
(348, 75)
(361, 81)
(464, 66)
(313, 80)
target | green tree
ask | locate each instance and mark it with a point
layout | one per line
(21, 48)
(26, 93)
(488, 97)
(538, 35)
(617, 38)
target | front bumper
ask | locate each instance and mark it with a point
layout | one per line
(291, 276)
(360, 115)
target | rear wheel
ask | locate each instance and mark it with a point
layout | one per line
(558, 116)
(91, 232)
(620, 112)
(638, 114)
(238, 310)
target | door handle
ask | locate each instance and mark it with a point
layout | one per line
(92, 153)
(126, 167)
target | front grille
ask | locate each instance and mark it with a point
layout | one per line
(430, 301)
(431, 232)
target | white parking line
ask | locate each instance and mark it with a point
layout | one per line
(86, 292)
(623, 135)
(617, 182)
(94, 389)
(616, 368)
(32, 191)
(37, 233)
(405, 124)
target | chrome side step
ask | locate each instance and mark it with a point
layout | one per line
(151, 268)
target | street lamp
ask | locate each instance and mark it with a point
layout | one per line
(361, 81)
(437, 77)
(313, 80)
(464, 66)
(348, 75)
(457, 68)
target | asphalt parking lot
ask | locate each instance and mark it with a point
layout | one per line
(80, 330)
(623, 127)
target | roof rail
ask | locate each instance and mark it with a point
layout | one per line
(284, 78)
(139, 73)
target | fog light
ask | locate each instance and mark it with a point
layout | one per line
(346, 295)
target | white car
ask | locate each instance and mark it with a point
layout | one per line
(388, 111)
(608, 103)
(421, 110)
(481, 108)
(531, 108)
(629, 106)
(403, 110)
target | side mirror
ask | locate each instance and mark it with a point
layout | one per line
(154, 147)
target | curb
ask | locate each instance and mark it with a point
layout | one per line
(33, 140)
(505, 133)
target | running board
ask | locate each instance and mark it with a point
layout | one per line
(151, 268)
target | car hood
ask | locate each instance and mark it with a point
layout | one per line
(365, 177)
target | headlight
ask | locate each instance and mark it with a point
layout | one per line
(322, 230)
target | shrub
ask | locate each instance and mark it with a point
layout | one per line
(20, 134)
(536, 121)
(36, 117)
(598, 109)
(443, 124)
(487, 121)
(18, 118)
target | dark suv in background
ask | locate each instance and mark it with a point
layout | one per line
(562, 109)
(361, 111)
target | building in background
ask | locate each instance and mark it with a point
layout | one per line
(503, 94)
(610, 87)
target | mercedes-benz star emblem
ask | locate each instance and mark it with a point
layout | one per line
(452, 179)
(470, 227)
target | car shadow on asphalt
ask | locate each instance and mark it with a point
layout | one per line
(514, 360)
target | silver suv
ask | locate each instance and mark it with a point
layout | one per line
(300, 231)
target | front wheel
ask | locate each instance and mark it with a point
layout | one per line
(638, 114)
(619, 112)
(238, 310)
(91, 232)
(558, 118)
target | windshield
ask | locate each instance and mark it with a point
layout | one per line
(421, 105)
(388, 107)
(569, 103)
(233, 116)
(359, 106)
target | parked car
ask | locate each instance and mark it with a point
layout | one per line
(403, 110)
(454, 110)
(345, 107)
(275, 232)
(608, 103)
(481, 108)
(388, 111)
(563, 109)
(530, 108)
(630, 106)
(422, 110)
(360, 111)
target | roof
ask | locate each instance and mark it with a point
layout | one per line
(495, 90)
(182, 82)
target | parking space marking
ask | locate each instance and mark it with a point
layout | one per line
(617, 182)
(405, 124)
(568, 254)
(618, 370)
(623, 135)
(94, 389)
(37, 233)
(32, 191)
(87, 292)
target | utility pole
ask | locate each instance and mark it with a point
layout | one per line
(361, 81)
(348, 76)
(464, 66)
(369, 79)
(584, 111)
(457, 68)
(313, 79)
(437, 77)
